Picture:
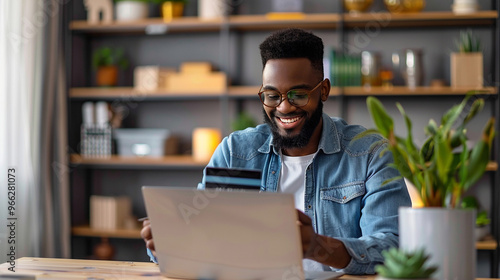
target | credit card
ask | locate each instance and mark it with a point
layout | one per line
(232, 179)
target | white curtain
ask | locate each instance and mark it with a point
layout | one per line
(29, 106)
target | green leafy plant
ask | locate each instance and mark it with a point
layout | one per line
(470, 202)
(243, 121)
(399, 264)
(467, 42)
(444, 167)
(106, 56)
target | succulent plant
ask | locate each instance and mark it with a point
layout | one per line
(400, 264)
(468, 43)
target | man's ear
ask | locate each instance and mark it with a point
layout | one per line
(325, 90)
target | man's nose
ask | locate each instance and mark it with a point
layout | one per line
(285, 106)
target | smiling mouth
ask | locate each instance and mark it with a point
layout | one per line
(289, 120)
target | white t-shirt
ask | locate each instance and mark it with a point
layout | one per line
(293, 180)
(292, 177)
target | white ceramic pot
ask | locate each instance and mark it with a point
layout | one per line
(447, 235)
(209, 9)
(131, 10)
(465, 6)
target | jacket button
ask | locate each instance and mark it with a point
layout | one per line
(362, 256)
(273, 172)
(309, 206)
(344, 197)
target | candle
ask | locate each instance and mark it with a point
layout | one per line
(205, 141)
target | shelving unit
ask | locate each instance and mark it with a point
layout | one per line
(250, 92)
(244, 24)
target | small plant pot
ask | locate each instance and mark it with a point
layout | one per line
(481, 232)
(131, 10)
(466, 70)
(107, 76)
(171, 10)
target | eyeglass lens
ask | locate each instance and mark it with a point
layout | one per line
(273, 98)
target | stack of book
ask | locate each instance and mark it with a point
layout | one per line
(108, 212)
(345, 69)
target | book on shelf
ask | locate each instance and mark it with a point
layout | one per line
(345, 69)
(109, 212)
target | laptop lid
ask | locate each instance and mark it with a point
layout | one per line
(208, 234)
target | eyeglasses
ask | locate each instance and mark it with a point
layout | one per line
(296, 97)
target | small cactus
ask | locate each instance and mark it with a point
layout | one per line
(400, 264)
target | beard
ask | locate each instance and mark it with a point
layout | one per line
(300, 140)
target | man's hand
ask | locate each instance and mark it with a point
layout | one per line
(323, 249)
(307, 234)
(148, 236)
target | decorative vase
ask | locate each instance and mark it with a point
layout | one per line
(171, 10)
(357, 6)
(466, 70)
(104, 250)
(210, 9)
(447, 235)
(107, 76)
(404, 6)
(465, 6)
(131, 10)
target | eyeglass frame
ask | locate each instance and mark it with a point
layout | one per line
(282, 97)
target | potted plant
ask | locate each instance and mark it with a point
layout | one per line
(128, 10)
(441, 171)
(171, 9)
(244, 120)
(401, 264)
(106, 61)
(482, 220)
(466, 65)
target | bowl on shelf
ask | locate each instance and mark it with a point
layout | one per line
(404, 6)
(357, 6)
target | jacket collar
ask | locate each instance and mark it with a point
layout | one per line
(329, 142)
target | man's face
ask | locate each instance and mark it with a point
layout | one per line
(292, 127)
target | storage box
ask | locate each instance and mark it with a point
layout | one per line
(151, 78)
(196, 67)
(141, 141)
(108, 212)
(214, 82)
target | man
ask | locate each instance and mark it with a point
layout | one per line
(350, 215)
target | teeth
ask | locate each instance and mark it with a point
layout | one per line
(292, 120)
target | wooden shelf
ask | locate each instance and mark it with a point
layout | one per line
(118, 233)
(406, 91)
(128, 93)
(153, 26)
(115, 161)
(277, 21)
(488, 243)
(422, 19)
(180, 161)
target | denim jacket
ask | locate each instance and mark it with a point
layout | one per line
(344, 195)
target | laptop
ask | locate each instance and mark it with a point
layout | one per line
(236, 235)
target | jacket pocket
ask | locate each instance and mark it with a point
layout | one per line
(343, 193)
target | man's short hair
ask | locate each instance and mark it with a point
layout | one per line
(293, 43)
